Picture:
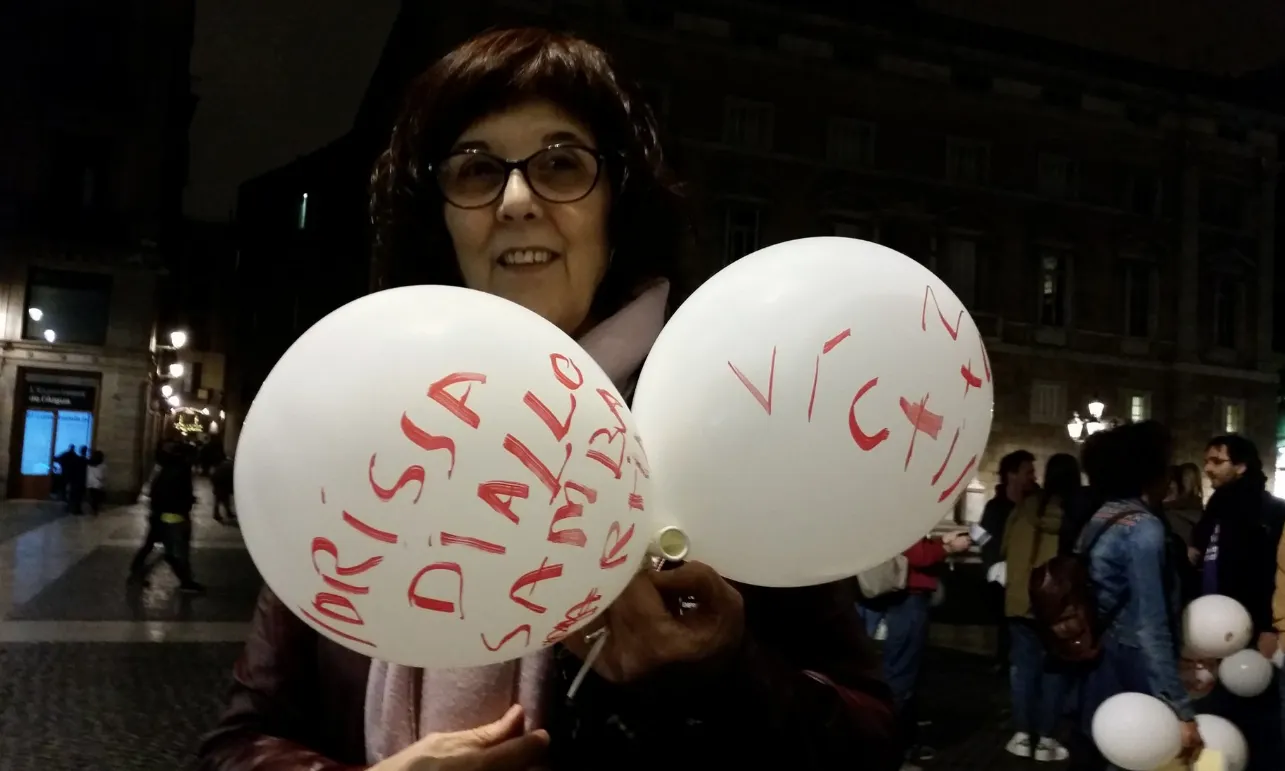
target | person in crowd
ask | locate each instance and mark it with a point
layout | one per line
(1184, 505)
(1031, 538)
(169, 521)
(1016, 481)
(905, 615)
(1278, 620)
(221, 485)
(65, 460)
(1236, 540)
(523, 165)
(75, 463)
(95, 478)
(1131, 562)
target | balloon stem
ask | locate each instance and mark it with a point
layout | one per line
(589, 660)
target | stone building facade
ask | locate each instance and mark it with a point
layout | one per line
(1109, 224)
(93, 144)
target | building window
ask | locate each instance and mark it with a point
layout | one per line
(1053, 288)
(1138, 284)
(302, 214)
(1058, 176)
(740, 232)
(961, 268)
(1139, 406)
(1222, 204)
(1048, 403)
(748, 124)
(850, 142)
(967, 161)
(1226, 297)
(854, 229)
(1231, 416)
(68, 306)
(1143, 193)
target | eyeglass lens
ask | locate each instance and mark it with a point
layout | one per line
(556, 174)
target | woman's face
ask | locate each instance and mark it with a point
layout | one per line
(547, 257)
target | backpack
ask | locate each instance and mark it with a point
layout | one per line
(1064, 605)
(885, 578)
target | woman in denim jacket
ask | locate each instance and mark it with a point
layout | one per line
(1134, 574)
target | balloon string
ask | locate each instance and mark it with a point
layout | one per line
(589, 659)
(657, 564)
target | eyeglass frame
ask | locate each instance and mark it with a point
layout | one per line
(520, 166)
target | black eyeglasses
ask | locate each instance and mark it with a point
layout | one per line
(561, 173)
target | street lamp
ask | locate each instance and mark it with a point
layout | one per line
(1080, 429)
(50, 335)
(35, 313)
(175, 401)
(178, 339)
(176, 369)
(167, 390)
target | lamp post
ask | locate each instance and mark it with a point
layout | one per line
(1080, 429)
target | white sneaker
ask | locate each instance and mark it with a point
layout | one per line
(1019, 745)
(1051, 751)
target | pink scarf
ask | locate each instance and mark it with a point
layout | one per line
(403, 703)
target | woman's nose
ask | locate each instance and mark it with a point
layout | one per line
(517, 201)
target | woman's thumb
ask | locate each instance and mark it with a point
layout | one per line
(505, 728)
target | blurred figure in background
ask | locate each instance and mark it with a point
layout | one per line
(1031, 538)
(1184, 505)
(95, 475)
(170, 520)
(221, 482)
(905, 617)
(1016, 481)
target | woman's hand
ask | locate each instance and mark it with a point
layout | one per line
(649, 630)
(1192, 743)
(498, 746)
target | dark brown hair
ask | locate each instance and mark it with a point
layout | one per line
(648, 228)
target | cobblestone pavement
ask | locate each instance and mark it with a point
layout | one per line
(96, 677)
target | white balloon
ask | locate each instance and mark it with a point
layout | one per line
(1220, 735)
(438, 477)
(1215, 627)
(1246, 673)
(812, 410)
(1137, 732)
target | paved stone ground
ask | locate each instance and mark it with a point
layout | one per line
(20, 517)
(108, 706)
(136, 705)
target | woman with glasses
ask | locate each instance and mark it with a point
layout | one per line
(522, 166)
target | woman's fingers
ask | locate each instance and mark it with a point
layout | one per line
(518, 754)
(508, 726)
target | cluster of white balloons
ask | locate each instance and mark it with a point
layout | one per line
(1138, 732)
(439, 477)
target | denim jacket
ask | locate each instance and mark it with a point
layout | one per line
(1137, 597)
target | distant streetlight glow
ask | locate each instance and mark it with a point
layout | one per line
(176, 369)
(205, 410)
(222, 414)
(51, 335)
(174, 401)
(167, 390)
(178, 338)
(35, 313)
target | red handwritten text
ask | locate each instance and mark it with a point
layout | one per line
(432, 603)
